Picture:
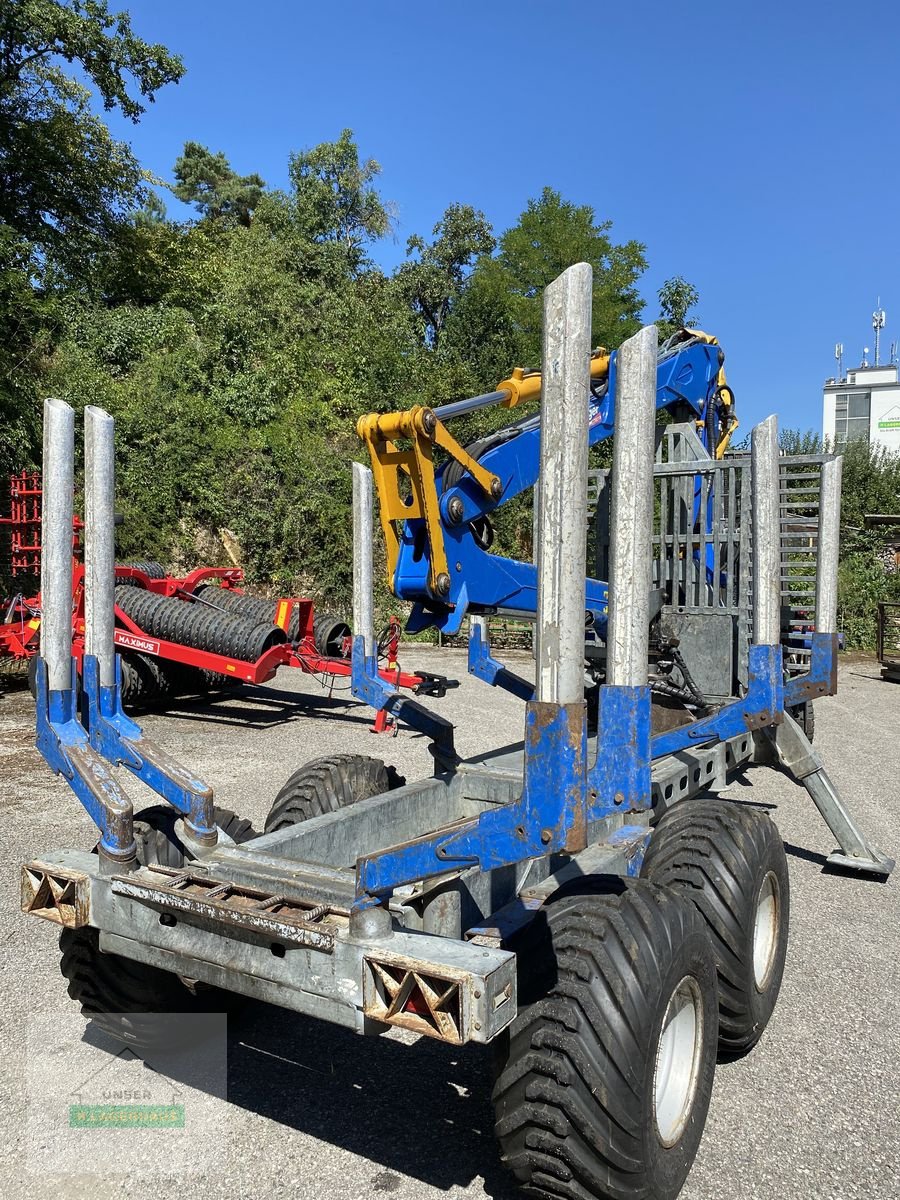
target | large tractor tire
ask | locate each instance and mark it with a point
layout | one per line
(327, 784)
(126, 998)
(604, 1078)
(729, 861)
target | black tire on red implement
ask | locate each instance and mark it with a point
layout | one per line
(330, 634)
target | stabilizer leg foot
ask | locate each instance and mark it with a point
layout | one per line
(798, 759)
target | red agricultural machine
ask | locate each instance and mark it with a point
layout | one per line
(190, 634)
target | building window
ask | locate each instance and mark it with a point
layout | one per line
(852, 412)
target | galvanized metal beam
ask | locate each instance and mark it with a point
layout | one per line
(631, 519)
(56, 543)
(829, 546)
(363, 572)
(764, 461)
(99, 546)
(563, 487)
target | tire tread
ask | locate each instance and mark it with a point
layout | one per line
(568, 1094)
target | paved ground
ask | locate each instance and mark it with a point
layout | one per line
(313, 1111)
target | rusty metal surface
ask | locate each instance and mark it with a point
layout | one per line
(251, 909)
(55, 893)
(438, 999)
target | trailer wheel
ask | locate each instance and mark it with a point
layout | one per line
(123, 997)
(730, 861)
(604, 1078)
(805, 716)
(329, 634)
(327, 784)
(158, 841)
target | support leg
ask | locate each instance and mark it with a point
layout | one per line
(798, 759)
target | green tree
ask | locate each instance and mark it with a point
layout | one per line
(207, 181)
(434, 280)
(335, 198)
(550, 235)
(64, 181)
(29, 317)
(676, 299)
(66, 184)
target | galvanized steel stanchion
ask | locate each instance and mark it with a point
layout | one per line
(366, 683)
(562, 504)
(828, 547)
(557, 714)
(99, 549)
(631, 513)
(764, 456)
(363, 572)
(363, 584)
(620, 779)
(56, 540)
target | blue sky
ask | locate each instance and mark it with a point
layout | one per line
(751, 146)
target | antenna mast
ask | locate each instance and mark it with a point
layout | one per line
(839, 355)
(878, 319)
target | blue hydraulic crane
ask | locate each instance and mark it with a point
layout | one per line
(436, 519)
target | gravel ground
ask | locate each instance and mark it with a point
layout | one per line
(314, 1111)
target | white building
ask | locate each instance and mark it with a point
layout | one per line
(866, 404)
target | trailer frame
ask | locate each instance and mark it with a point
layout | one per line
(400, 909)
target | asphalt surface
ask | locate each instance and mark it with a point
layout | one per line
(314, 1111)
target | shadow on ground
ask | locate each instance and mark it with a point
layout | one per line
(421, 1110)
(260, 708)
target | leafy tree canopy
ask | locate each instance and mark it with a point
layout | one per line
(552, 234)
(335, 196)
(434, 280)
(63, 178)
(207, 181)
(499, 319)
(676, 299)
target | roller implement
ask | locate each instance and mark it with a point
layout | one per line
(585, 900)
(190, 634)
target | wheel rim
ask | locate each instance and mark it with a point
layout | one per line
(765, 930)
(678, 1061)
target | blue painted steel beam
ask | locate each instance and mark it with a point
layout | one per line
(368, 686)
(549, 816)
(762, 705)
(120, 740)
(65, 746)
(485, 667)
(821, 678)
(619, 780)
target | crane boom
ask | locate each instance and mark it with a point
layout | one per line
(436, 518)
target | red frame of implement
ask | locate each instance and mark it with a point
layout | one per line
(21, 620)
(18, 636)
